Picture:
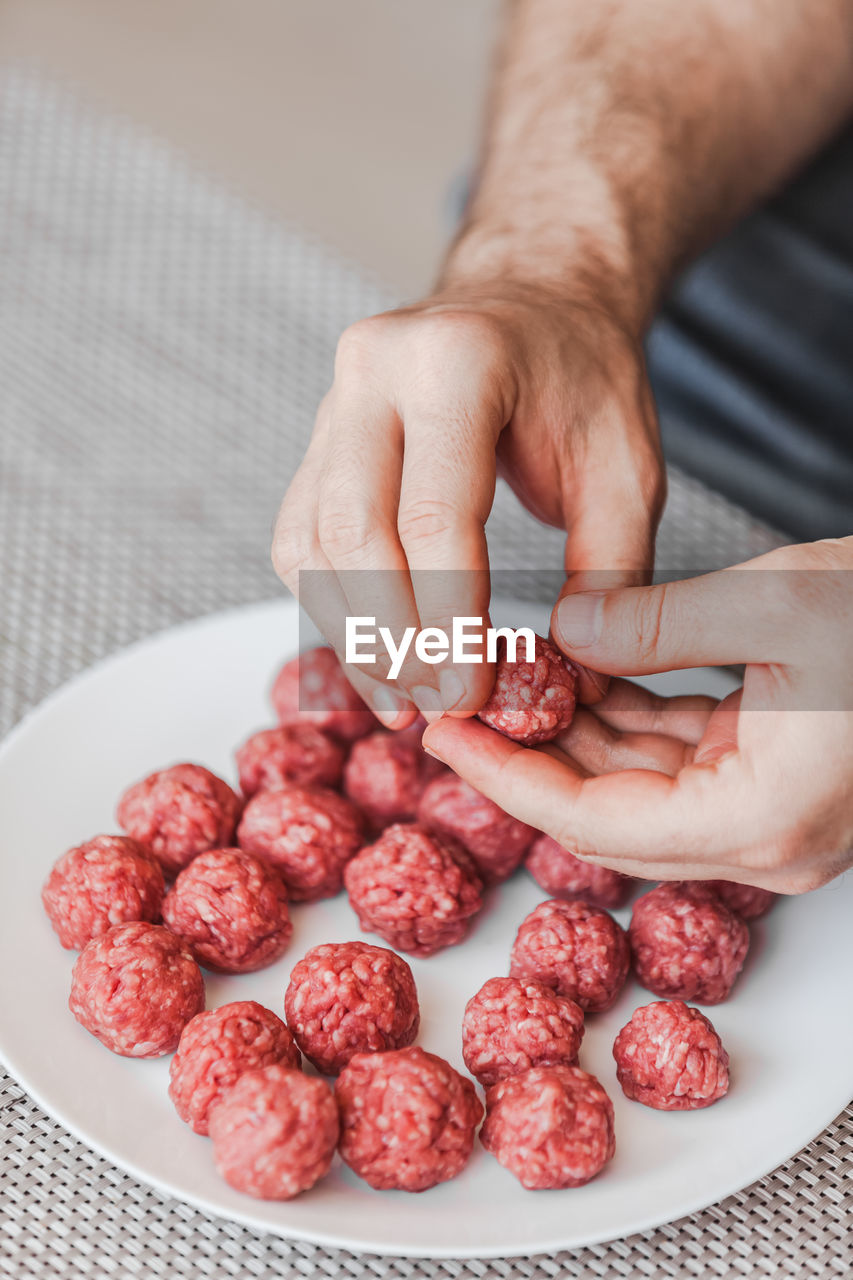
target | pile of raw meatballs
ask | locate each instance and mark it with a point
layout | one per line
(330, 800)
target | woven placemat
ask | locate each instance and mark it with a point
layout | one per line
(163, 349)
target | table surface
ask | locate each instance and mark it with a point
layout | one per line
(164, 347)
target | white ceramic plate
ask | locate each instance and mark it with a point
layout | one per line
(195, 693)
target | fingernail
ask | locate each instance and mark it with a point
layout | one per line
(579, 619)
(387, 705)
(428, 701)
(452, 688)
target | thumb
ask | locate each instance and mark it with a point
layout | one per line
(717, 619)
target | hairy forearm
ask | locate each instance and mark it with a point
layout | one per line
(622, 137)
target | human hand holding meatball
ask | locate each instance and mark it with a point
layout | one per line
(428, 404)
(599, 177)
(757, 788)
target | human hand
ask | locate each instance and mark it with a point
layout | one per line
(757, 788)
(428, 403)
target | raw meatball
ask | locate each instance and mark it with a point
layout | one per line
(385, 776)
(532, 701)
(216, 1048)
(407, 1119)
(551, 1127)
(745, 899)
(563, 875)
(275, 1132)
(180, 812)
(307, 833)
(345, 998)
(511, 1025)
(135, 988)
(687, 943)
(670, 1057)
(313, 687)
(416, 891)
(451, 808)
(575, 948)
(108, 880)
(295, 755)
(231, 911)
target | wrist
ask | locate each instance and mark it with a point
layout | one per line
(559, 261)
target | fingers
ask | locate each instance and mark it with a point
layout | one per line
(357, 528)
(629, 708)
(637, 817)
(721, 734)
(611, 534)
(445, 499)
(731, 818)
(612, 519)
(304, 567)
(597, 748)
(397, 490)
(455, 399)
(716, 619)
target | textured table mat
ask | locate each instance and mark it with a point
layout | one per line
(162, 350)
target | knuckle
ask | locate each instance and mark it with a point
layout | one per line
(448, 331)
(832, 553)
(566, 836)
(291, 551)
(660, 712)
(358, 343)
(461, 351)
(425, 519)
(652, 619)
(346, 532)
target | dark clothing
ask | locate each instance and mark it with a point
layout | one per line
(751, 360)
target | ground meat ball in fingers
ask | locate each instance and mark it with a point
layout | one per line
(108, 880)
(298, 755)
(561, 874)
(345, 998)
(453, 809)
(216, 1048)
(532, 701)
(417, 892)
(307, 833)
(746, 900)
(407, 1119)
(552, 1127)
(179, 812)
(312, 688)
(231, 910)
(385, 777)
(670, 1057)
(575, 948)
(135, 988)
(275, 1132)
(687, 943)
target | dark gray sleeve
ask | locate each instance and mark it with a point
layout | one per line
(752, 357)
